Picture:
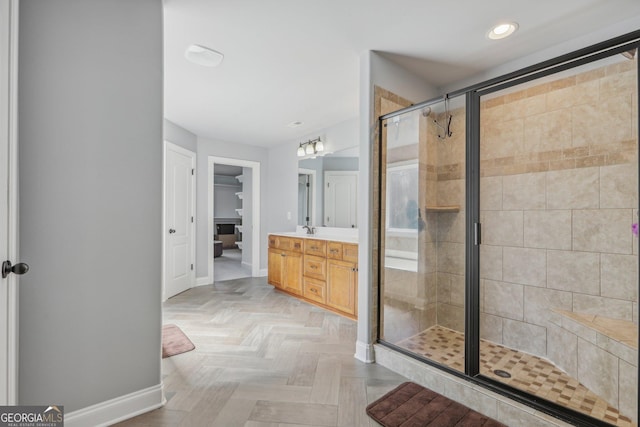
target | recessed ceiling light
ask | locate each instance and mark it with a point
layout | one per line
(294, 124)
(501, 31)
(203, 56)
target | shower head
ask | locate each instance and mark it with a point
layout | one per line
(426, 111)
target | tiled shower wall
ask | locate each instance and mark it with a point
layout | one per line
(558, 197)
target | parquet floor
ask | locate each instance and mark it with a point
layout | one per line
(263, 359)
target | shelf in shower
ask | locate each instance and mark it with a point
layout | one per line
(436, 209)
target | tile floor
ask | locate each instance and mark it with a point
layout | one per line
(530, 373)
(263, 359)
(229, 266)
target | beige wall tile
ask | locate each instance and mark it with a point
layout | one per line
(491, 193)
(451, 192)
(451, 257)
(502, 139)
(548, 131)
(617, 348)
(619, 186)
(503, 299)
(619, 276)
(547, 229)
(603, 122)
(562, 349)
(573, 271)
(607, 307)
(598, 370)
(444, 288)
(628, 383)
(603, 230)
(525, 191)
(490, 262)
(502, 228)
(524, 266)
(619, 84)
(525, 337)
(526, 107)
(451, 227)
(583, 93)
(457, 290)
(451, 316)
(538, 303)
(491, 328)
(573, 189)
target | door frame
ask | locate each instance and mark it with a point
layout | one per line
(255, 211)
(312, 194)
(9, 146)
(166, 146)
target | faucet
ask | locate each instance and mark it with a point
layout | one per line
(310, 230)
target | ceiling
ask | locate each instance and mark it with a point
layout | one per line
(298, 60)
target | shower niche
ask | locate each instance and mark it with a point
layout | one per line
(507, 246)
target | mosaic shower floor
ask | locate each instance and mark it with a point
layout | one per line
(529, 373)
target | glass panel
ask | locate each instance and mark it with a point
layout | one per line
(559, 259)
(423, 232)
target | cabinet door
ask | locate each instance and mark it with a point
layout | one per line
(342, 279)
(275, 271)
(292, 276)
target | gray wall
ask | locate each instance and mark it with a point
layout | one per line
(179, 136)
(206, 148)
(247, 216)
(90, 141)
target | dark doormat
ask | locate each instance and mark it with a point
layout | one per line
(411, 405)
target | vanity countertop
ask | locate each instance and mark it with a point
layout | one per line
(322, 235)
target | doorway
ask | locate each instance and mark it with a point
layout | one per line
(238, 228)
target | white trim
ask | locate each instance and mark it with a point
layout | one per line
(314, 196)
(255, 211)
(170, 145)
(364, 352)
(202, 281)
(10, 22)
(119, 409)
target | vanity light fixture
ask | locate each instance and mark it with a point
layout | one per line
(503, 30)
(203, 56)
(313, 146)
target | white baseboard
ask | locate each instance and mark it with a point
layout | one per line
(118, 409)
(246, 264)
(262, 272)
(364, 352)
(201, 281)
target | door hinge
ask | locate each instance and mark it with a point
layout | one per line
(191, 266)
(191, 219)
(327, 185)
(193, 171)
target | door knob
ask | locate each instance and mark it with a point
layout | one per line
(171, 231)
(19, 268)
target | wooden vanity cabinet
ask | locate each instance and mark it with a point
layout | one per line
(285, 263)
(322, 272)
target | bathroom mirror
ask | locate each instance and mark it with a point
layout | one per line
(327, 189)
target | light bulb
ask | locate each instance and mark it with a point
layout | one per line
(300, 151)
(310, 149)
(319, 146)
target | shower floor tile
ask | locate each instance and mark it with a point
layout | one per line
(530, 373)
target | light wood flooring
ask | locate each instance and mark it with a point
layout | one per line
(263, 359)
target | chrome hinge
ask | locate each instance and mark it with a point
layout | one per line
(191, 219)
(477, 231)
(193, 171)
(192, 266)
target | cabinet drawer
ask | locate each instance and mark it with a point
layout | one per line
(334, 250)
(315, 290)
(315, 247)
(315, 267)
(350, 252)
(285, 243)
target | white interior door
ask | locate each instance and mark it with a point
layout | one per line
(341, 199)
(8, 201)
(179, 220)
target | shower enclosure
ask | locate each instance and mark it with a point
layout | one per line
(508, 247)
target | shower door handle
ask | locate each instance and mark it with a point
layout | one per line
(477, 233)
